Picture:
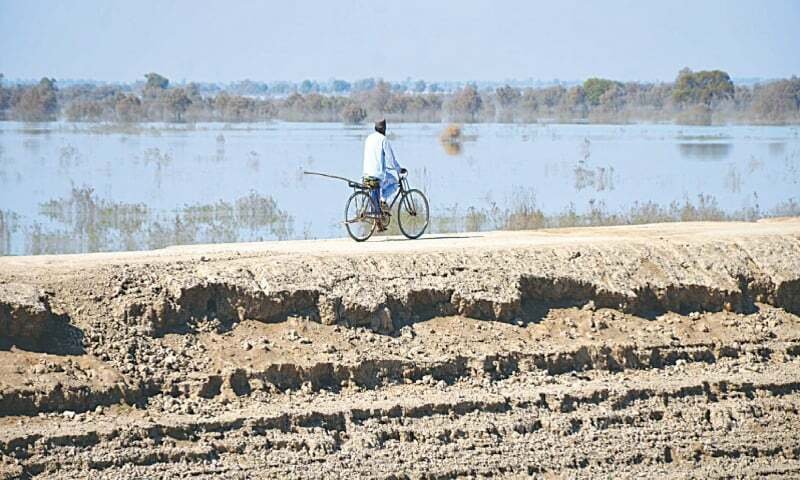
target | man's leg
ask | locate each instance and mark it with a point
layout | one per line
(373, 185)
(389, 186)
(375, 193)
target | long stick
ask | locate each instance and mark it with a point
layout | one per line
(330, 176)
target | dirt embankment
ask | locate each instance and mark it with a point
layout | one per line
(660, 350)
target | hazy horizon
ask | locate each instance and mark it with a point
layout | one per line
(449, 41)
(456, 81)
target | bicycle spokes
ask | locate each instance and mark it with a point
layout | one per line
(359, 219)
(413, 215)
(410, 206)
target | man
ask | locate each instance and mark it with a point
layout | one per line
(380, 165)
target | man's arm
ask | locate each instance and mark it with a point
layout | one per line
(391, 161)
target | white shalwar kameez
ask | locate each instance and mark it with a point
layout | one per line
(379, 162)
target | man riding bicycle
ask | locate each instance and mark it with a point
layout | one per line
(381, 170)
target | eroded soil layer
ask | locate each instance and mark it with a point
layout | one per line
(659, 351)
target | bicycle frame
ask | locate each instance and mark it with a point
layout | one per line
(403, 183)
(399, 193)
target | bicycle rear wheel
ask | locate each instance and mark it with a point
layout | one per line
(413, 214)
(359, 216)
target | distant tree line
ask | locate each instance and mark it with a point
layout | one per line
(701, 98)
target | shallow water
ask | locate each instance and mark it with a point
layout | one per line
(98, 187)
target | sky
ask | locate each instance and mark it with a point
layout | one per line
(200, 40)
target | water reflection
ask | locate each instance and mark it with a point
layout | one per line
(791, 167)
(34, 129)
(83, 222)
(68, 156)
(599, 179)
(754, 164)
(776, 148)
(156, 157)
(31, 144)
(8, 225)
(450, 138)
(253, 161)
(219, 154)
(451, 148)
(733, 180)
(705, 150)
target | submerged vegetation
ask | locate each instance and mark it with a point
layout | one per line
(84, 222)
(522, 213)
(696, 98)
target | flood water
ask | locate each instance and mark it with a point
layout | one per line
(97, 187)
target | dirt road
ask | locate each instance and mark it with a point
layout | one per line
(427, 244)
(660, 350)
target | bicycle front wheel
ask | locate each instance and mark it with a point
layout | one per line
(359, 216)
(413, 214)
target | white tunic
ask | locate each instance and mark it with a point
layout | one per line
(378, 156)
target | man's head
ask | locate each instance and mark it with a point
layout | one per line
(380, 126)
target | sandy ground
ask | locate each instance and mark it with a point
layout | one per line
(652, 351)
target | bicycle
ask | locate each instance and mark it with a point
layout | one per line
(363, 215)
